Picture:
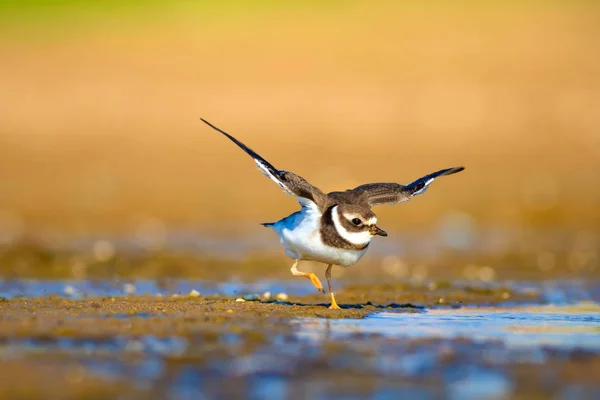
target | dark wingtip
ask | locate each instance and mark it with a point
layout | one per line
(247, 149)
(222, 131)
(454, 170)
(208, 123)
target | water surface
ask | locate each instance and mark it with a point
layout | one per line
(521, 328)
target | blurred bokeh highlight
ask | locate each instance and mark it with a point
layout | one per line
(101, 146)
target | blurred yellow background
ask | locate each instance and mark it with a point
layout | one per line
(100, 105)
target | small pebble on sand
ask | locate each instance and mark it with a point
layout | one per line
(69, 290)
(129, 288)
(282, 296)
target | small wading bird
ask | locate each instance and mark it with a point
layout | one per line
(334, 228)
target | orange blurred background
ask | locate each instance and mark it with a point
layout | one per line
(100, 107)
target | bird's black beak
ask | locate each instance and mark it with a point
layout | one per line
(375, 230)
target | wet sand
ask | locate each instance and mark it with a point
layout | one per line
(41, 316)
(185, 346)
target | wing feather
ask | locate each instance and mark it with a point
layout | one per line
(392, 193)
(292, 184)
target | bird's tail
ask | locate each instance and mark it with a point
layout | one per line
(268, 224)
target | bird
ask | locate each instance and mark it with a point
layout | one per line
(333, 228)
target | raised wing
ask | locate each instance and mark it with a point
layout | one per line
(291, 183)
(392, 193)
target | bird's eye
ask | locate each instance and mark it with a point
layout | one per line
(356, 221)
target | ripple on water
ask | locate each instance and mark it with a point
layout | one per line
(481, 342)
(522, 328)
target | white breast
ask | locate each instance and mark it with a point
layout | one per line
(299, 234)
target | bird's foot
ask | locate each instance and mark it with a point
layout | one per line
(334, 304)
(316, 282)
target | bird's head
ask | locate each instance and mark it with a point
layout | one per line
(355, 223)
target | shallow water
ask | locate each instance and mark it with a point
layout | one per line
(487, 341)
(542, 350)
(527, 329)
(469, 353)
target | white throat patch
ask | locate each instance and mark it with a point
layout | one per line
(356, 238)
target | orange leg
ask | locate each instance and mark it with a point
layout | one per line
(334, 304)
(311, 276)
